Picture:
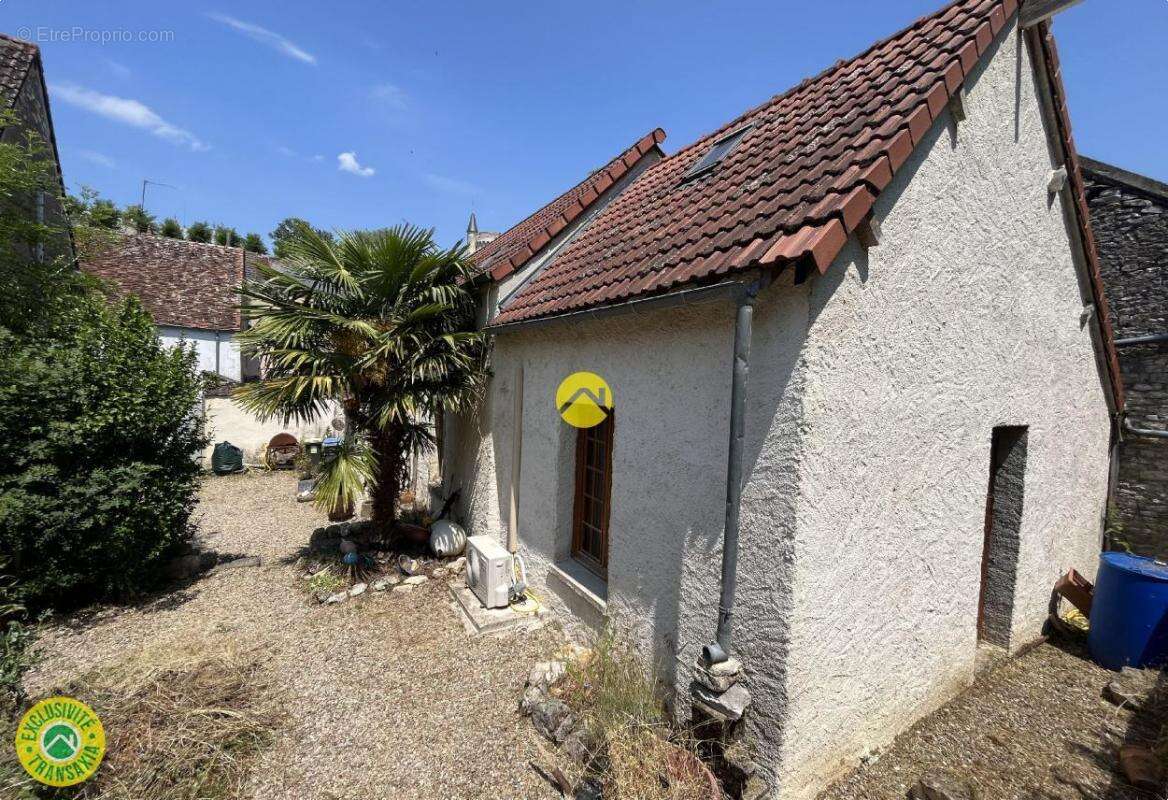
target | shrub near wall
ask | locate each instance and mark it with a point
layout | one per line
(97, 436)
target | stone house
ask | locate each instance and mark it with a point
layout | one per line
(1129, 214)
(191, 290)
(860, 364)
(23, 92)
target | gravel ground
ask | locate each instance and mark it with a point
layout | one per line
(385, 695)
(1033, 727)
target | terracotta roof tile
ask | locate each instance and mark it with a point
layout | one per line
(181, 283)
(802, 177)
(511, 249)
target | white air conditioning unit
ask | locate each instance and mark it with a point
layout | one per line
(488, 571)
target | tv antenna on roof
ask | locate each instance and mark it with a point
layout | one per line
(145, 182)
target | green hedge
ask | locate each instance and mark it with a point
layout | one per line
(99, 429)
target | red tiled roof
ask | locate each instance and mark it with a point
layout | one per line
(183, 284)
(511, 250)
(804, 175)
(1043, 39)
(16, 58)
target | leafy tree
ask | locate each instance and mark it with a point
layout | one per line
(139, 219)
(101, 490)
(380, 322)
(199, 232)
(254, 243)
(32, 282)
(286, 229)
(227, 236)
(104, 214)
(90, 210)
(171, 228)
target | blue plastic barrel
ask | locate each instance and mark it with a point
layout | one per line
(1129, 615)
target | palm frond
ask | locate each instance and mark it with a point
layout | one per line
(343, 479)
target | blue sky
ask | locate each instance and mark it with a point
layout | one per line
(362, 114)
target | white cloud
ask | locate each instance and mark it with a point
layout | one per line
(126, 111)
(392, 96)
(118, 68)
(264, 36)
(284, 150)
(450, 185)
(100, 159)
(347, 162)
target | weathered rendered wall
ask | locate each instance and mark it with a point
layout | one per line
(1131, 230)
(226, 421)
(205, 344)
(670, 376)
(966, 316)
(872, 396)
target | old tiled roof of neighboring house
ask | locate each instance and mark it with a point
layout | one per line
(805, 172)
(16, 59)
(182, 284)
(510, 250)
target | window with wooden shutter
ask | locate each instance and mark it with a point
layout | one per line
(593, 496)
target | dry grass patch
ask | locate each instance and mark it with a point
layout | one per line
(638, 753)
(181, 723)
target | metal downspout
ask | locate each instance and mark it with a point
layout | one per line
(516, 465)
(1154, 338)
(1132, 429)
(719, 651)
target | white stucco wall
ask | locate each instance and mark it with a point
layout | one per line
(227, 422)
(873, 393)
(966, 317)
(670, 376)
(206, 343)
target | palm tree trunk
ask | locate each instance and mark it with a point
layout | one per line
(389, 452)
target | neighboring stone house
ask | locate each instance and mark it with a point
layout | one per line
(191, 289)
(885, 279)
(1129, 214)
(22, 90)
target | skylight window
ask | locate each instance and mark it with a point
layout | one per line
(718, 151)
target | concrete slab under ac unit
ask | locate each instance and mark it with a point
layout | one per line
(477, 620)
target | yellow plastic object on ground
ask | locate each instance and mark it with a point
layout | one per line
(528, 605)
(1073, 617)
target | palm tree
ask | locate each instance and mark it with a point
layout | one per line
(380, 322)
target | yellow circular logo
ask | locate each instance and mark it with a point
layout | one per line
(584, 399)
(60, 741)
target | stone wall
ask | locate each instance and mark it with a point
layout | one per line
(32, 111)
(1130, 216)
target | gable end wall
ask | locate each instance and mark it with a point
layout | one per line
(967, 316)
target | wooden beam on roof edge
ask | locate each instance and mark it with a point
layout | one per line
(957, 105)
(1035, 11)
(869, 232)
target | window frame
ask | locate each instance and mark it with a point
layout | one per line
(711, 158)
(581, 497)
